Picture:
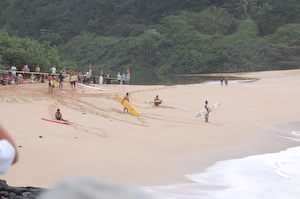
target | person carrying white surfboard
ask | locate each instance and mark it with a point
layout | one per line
(207, 114)
(73, 83)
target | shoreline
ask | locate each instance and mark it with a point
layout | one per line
(147, 150)
(260, 164)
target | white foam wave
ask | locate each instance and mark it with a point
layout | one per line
(297, 133)
(273, 175)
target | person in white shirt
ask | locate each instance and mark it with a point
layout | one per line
(37, 70)
(119, 78)
(101, 79)
(8, 151)
(13, 71)
(53, 70)
(27, 68)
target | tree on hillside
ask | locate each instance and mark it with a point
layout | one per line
(176, 25)
(244, 5)
(279, 15)
(147, 46)
(220, 18)
(247, 31)
(285, 47)
(262, 9)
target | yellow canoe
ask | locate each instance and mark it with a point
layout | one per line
(127, 105)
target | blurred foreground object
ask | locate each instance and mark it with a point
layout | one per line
(8, 151)
(86, 187)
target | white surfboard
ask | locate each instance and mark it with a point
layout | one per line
(210, 108)
(100, 80)
(70, 79)
(92, 87)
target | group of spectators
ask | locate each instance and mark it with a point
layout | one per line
(122, 79)
(12, 76)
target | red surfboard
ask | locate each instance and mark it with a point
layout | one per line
(56, 121)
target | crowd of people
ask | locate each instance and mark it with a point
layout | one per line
(121, 79)
(12, 76)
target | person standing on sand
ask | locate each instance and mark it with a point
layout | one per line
(101, 79)
(73, 84)
(51, 83)
(127, 99)
(64, 70)
(37, 71)
(207, 114)
(108, 76)
(157, 99)
(119, 78)
(53, 70)
(32, 78)
(13, 71)
(221, 79)
(8, 151)
(60, 79)
(123, 78)
(226, 81)
(127, 78)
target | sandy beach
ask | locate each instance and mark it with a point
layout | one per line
(159, 146)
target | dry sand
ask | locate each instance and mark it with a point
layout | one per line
(158, 147)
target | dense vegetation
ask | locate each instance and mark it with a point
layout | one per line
(167, 36)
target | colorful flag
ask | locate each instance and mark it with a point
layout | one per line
(90, 65)
(127, 70)
(101, 72)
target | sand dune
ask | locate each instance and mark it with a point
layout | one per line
(158, 147)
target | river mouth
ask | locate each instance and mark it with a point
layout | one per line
(185, 80)
(151, 78)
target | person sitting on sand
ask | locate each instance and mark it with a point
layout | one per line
(58, 115)
(2, 81)
(8, 80)
(157, 99)
(32, 78)
(21, 80)
(127, 99)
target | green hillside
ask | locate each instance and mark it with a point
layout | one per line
(167, 36)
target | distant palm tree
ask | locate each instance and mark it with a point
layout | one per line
(147, 46)
(221, 18)
(244, 5)
(265, 7)
(245, 16)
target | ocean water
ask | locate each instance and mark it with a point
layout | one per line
(265, 176)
